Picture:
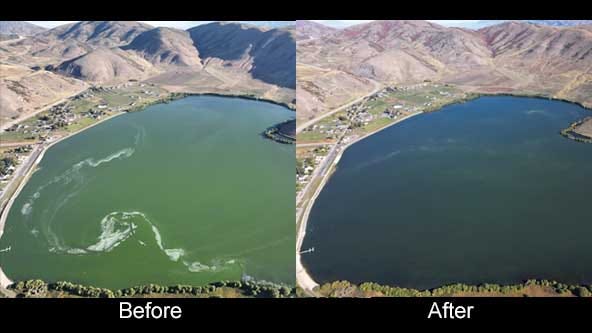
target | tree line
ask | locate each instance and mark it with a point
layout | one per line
(251, 288)
(345, 288)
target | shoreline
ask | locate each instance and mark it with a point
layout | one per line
(567, 132)
(303, 278)
(411, 115)
(5, 281)
(571, 132)
(537, 96)
(179, 95)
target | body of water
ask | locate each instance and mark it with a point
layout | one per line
(187, 192)
(485, 191)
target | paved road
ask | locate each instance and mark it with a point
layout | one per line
(15, 182)
(320, 170)
(303, 279)
(8, 196)
(5, 282)
(313, 144)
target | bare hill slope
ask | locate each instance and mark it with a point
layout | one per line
(517, 57)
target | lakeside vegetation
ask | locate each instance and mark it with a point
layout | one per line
(527, 289)
(230, 289)
(6, 163)
(249, 289)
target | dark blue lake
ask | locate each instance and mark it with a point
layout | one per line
(485, 191)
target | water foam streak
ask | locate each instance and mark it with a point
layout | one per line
(73, 174)
(115, 228)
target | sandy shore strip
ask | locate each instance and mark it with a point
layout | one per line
(303, 279)
(4, 280)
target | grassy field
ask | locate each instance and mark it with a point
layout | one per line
(373, 126)
(377, 106)
(6, 137)
(82, 123)
(312, 136)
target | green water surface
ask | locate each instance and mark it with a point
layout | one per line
(185, 192)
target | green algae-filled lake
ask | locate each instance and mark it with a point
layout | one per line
(482, 192)
(187, 192)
